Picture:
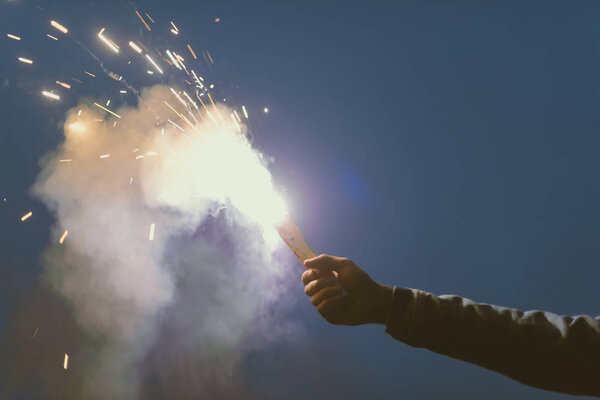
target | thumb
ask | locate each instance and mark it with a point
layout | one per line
(324, 263)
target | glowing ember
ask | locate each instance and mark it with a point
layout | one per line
(63, 237)
(51, 95)
(135, 47)
(59, 27)
(151, 234)
(26, 216)
(107, 110)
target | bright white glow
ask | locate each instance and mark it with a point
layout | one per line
(77, 127)
(107, 41)
(51, 95)
(135, 47)
(25, 60)
(266, 110)
(151, 233)
(154, 64)
(59, 27)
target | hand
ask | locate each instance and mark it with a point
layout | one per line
(351, 298)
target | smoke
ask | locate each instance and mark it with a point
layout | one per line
(170, 267)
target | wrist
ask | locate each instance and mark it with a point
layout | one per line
(383, 303)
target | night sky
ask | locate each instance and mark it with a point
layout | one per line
(445, 146)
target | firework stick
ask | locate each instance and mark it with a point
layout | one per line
(294, 238)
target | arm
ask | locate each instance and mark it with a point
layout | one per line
(536, 348)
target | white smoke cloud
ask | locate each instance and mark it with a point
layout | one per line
(205, 281)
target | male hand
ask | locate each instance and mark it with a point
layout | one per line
(351, 298)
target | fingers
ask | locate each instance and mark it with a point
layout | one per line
(318, 284)
(309, 275)
(326, 294)
(325, 263)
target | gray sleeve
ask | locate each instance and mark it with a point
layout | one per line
(537, 348)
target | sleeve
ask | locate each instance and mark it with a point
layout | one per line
(536, 348)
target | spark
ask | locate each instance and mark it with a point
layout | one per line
(26, 216)
(78, 113)
(107, 41)
(175, 32)
(173, 59)
(122, 91)
(65, 85)
(13, 36)
(135, 150)
(51, 95)
(154, 64)
(237, 116)
(107, 103)
(142, 19)
(149, 17)
(135, 47)
(105, 156)
(190, 99)
(210, 57)
(66, 362)
(177, 126)
(192, 51)
(65, 160)
(107, 110)
(76, 80)
(139, 157)
(151, 234)
(25, 60)
(90, 74)
(63, 237)
(59, 27)
(77, 127)
(217, 19)
(150, 72)
(51, 37)
(35, 333)
(174, 27)
(131, 180)
(266, 110)
(178, 97)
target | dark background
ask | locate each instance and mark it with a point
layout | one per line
(447, 147)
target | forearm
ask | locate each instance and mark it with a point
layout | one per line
(539, 349)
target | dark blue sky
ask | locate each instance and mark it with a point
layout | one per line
(447, 147)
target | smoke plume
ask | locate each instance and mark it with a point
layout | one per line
(170, 258)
